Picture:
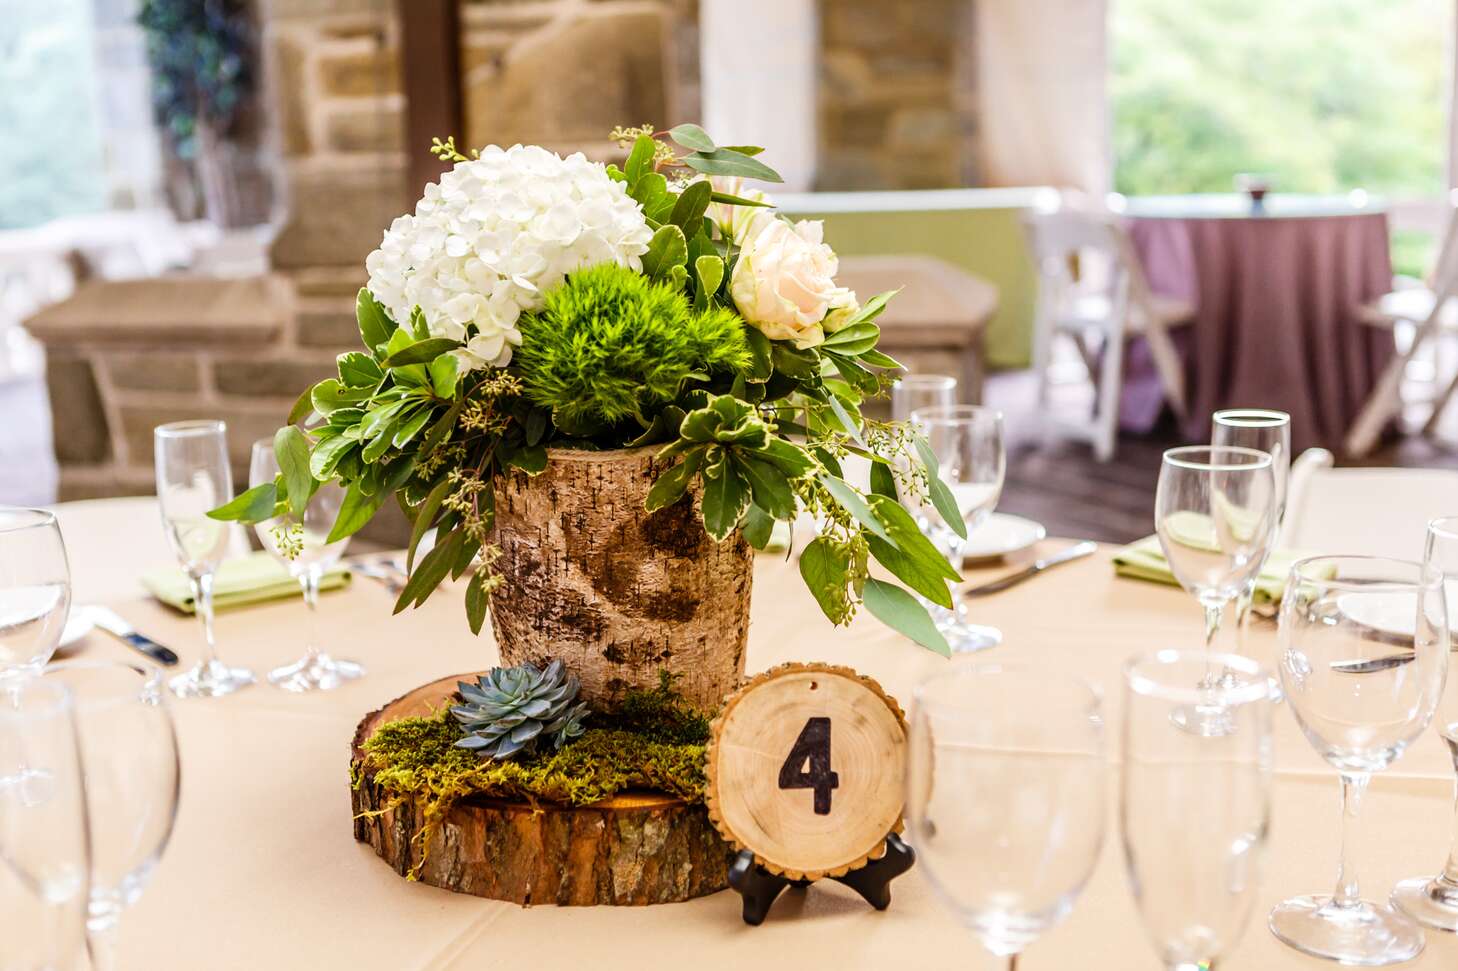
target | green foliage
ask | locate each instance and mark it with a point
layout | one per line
(616, 358)
(612, 345)
(202, 58)
(1324, 95)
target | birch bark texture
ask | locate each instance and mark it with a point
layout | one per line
(615, 592)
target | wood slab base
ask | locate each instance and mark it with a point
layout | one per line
(636, 848)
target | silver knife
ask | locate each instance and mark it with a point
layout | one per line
(1074, 552)
(114, 624)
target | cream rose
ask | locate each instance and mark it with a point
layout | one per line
(784, 281)
(734, 221)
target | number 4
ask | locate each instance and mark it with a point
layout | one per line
(808, 764)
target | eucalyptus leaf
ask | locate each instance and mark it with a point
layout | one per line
(477, 600)
(692, 137)
(733, 200)
(303, 407)
(726, 161)
(356, 510)
(253, 506)
(902, 612)
(945, 504)
(433, 568)
(854, 503)
(291, 449)
(825, 568)
(883, 480)
(425, 518)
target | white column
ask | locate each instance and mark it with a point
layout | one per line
(1042, 73)
(758, 70)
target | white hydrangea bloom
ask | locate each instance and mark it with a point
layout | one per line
(497, 233)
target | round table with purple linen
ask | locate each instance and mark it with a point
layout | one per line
(1276, 291)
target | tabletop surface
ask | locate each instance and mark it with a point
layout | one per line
(1219, 205)
(263, 872)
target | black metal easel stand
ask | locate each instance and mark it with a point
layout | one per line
(760, 888)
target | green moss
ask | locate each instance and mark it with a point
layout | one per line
(653, 742)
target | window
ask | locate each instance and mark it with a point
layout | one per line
(1322, 95)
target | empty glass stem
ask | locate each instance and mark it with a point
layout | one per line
(309, 580)
(1347, 894)
(202, 598)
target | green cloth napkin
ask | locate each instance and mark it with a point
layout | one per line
(1144, 560)
(239, 582)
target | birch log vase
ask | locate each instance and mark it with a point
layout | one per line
(619, 594)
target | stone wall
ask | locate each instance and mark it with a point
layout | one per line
(897, 106)
(562, 73)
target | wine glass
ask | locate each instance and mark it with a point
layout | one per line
(192, 477)
(1005, 796)
(131, 771)
(1434, 900)
(912, 392)
(301, 548)
(1195, 809)
(45, 855)
(1213, 512)
(968, 443)
(1265, 431)
(35, 588)
(1364, 651)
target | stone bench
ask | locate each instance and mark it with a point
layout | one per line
(935, 325)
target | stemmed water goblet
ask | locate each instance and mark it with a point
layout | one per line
(300, 546)
(45, 854)
(1265, 431)
(1195, 809)
(912, 392)
(131, 771)
(1213, 512)
(1005, 796)
(1338, 613)
(35, 588)
(193, 476)
(1433, 901)
(967, 442)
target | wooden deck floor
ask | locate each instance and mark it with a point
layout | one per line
(1059, 484)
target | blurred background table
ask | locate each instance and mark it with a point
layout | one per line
(263, 871)
(1276, 290)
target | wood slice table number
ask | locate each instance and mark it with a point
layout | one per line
(805, 768)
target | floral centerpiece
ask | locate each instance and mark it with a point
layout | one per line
(537, 308)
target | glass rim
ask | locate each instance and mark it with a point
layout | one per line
(151, 679)
(928, 380)
(1425, 577)
(1257, 458)
(954, 414)
(1251, 418)
(961, 671)
(1148, 686)
(190, 428)
(60, 702)
(1444, 526)
(29, 517)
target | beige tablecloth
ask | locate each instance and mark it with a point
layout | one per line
(263, 873)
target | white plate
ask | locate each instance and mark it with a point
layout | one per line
(1000, 536)
(78, 625)
(1391, 613)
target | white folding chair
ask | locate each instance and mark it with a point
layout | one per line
(1099, 311)
(1433, 315)
(1372, 511)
